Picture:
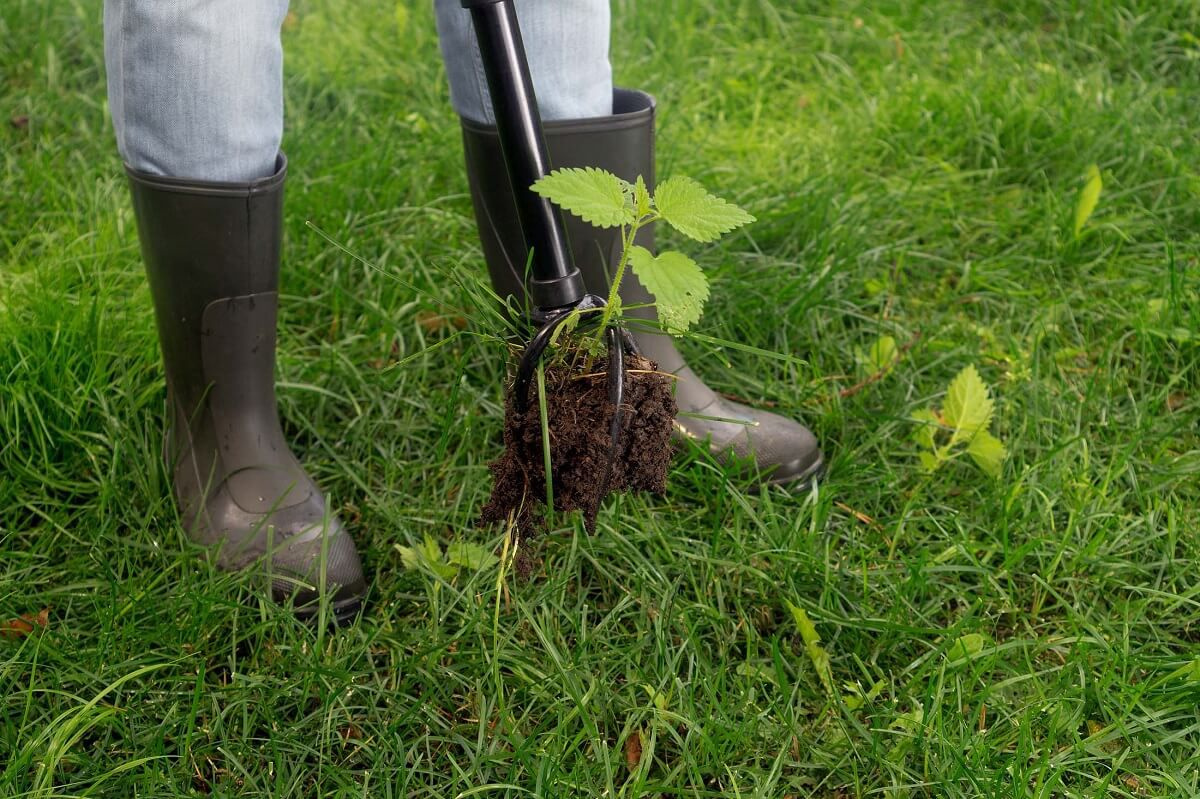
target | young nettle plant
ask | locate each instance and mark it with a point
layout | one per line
(602, 199)
(961, 426)
(572, 434)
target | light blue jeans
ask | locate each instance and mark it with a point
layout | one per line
(195, 87)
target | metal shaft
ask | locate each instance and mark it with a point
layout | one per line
(556, 283)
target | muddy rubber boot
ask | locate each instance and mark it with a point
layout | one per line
(783, 450)
(212, 256)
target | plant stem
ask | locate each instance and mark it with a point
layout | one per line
(627, 237)
(546, 464)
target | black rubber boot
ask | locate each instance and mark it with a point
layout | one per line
(783, 450)
(212, 257)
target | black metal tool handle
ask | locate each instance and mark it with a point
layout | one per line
(557, 282)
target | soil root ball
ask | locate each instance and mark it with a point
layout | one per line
(579, 416)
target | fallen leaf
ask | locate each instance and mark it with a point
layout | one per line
(857, 514)
(25, 624)
(1176, 401)
(633, 750)
(20, 121)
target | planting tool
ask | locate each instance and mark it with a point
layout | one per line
(556, 288)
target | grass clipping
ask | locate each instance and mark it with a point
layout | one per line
(579, 415)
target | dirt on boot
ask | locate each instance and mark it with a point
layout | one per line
(578, 416)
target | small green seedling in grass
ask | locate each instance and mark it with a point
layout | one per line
(602, 199)
(961, 426)
(427, 556)
(880, 358)
(812, 646)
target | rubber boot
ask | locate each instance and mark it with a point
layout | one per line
(783, 450)
(212, 256)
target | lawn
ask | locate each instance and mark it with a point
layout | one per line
(915, 169)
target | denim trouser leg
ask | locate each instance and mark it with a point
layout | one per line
(195, 87)
(566, 42)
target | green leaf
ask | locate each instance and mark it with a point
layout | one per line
(567, 327)
(929, 461)
(854, 698)
(695, 213)
(680, 289)
(968, 646)
(812, 645)
(427, 555)
(988, 452)
(928, 425)
(659, 699)
(592, 194)
(968, 407)
(641, 198)
(1089, 195)
(410, 557)
(472, 556)
(881, 356)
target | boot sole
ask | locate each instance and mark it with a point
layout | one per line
(341, 614)
(802, 481)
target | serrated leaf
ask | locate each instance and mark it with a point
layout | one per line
(679, 287)
(968, 408)
(695, 213)
(657, 697)
(426, 555)
(967, 646)
(1089, 195)
(591, 194)
(927, 426)
(880, 357)
(472, 556)
(854, 698)
(988, 452)
(929, 461)
(410, 557)
(641, 198)
(812, 645)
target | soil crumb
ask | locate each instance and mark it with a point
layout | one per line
(579, 416)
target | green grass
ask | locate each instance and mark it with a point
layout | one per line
(914, 168)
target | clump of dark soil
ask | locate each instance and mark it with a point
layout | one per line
(582, 471)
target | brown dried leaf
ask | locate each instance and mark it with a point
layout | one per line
(19, 121)
(633, 750)
(25, 624)
(857, 514)
(1176, 401)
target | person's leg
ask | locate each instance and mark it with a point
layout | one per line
(566, 42)
(196, 96)
(196, 88)
(568, 60)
